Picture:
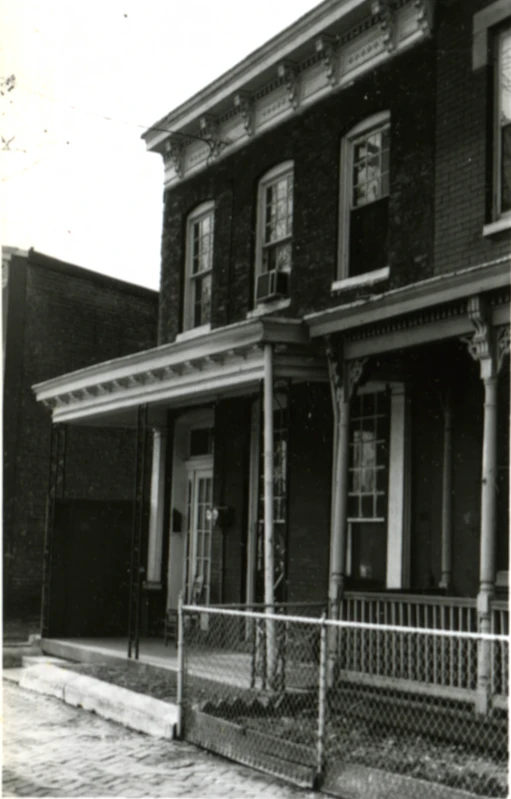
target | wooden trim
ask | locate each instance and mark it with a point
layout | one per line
(415, 297)
(398, 532)
(483, 20)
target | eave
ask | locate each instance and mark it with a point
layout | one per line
(324, 51)
(224, 362)
(418, 296)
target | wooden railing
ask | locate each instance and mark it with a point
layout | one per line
(500, 650)
(446, 665)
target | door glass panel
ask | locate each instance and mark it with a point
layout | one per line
(199, 537)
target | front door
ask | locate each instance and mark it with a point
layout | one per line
(198, 551)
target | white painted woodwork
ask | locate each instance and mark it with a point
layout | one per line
(446, 564)
(398, 532)
(157, 506)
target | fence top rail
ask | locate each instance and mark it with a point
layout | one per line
(355, 625)
(412, 599)
(263, 605)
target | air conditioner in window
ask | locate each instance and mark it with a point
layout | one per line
(272, 285)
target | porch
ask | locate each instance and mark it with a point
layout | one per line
(421, 645)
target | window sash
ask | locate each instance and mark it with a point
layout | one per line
(503, 126)
(276, 223)
(199, 269)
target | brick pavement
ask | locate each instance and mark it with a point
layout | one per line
(51, 749)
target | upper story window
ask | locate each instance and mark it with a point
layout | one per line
(502, 175)
(365, 161)
(274, 233)
(199, 266)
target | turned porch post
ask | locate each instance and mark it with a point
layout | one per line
(445, 580)
(488, 347)
(343, 379)
(156, 508)
(269, 555)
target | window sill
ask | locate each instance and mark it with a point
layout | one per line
(497, 227)
(194, 332)
(367, 279)
(269, 307)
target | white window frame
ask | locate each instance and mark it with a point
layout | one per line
(344, 280)
(199, 213)
(398, 502)
(498, 213)
(278, 172)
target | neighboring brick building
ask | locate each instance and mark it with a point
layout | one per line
(58, 317)
(334, 321)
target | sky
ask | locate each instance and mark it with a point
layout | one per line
(77, 182)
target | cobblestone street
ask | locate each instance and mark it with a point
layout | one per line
(51, 749)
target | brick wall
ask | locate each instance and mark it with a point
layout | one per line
(312, 138)
(231, 464)
(71, 318)
(310, 475)
(464, 146)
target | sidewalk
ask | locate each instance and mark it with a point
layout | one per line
(64, 752)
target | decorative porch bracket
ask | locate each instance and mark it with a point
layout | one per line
(56, 490)
(136, 569)
(488, 346)
(344, 377)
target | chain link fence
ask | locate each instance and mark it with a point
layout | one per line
(358, 709)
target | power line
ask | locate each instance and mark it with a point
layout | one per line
(207, 140)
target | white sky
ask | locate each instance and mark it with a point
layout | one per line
(91, 76)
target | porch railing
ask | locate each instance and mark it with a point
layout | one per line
(443, 665)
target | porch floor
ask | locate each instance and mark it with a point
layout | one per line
(232, 668)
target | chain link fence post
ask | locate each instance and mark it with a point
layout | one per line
(322, 687)
(180, 665)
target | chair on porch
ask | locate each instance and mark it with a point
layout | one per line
(171, 616)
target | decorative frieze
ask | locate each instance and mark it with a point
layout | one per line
(330, 61)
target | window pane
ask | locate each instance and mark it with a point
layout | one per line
(506, 169)
(505, 78)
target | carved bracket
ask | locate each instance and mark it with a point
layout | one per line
(424, 14)
(502, 345)
(326, 47)
(387, 25)
(210, 131)
(334, 373)
(245, 105)
(487, 346)
(355, 370)
(175, 153)
(289, 74)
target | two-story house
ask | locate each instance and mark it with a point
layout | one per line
(329, 400)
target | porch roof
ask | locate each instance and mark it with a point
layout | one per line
(223, 362)
(416, 298)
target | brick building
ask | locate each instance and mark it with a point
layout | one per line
(58, 317)
(330, 395)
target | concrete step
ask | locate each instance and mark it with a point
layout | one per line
(13, 654)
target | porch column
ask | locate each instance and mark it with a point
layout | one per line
(269, 555)
(488, 347)
(156, 509)
(343, 378)
(56, 490)
(445, 580)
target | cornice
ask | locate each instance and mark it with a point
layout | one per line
(324, 51)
